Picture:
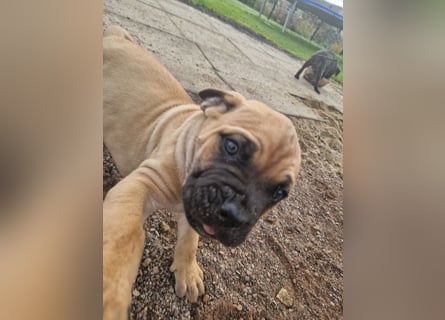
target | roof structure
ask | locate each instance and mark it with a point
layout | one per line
(322, 9)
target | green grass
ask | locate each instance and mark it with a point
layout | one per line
(247, 18)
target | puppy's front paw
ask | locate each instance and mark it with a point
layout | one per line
(189, 280)
(115, 309)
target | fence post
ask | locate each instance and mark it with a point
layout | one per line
(316, 30)
(262, 8)
(273, 8)
(289, 15)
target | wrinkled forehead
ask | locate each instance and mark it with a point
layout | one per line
(271, 127)
(256, 114)
(274, 135)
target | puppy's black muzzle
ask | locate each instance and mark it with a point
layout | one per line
(215, 201)
(233, 215)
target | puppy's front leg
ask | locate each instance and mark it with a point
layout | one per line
(123, 242)
(123, 233)
(304, 66)
(188, 274)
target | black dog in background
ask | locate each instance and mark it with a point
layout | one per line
(324, 65)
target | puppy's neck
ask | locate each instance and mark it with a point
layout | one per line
(186, 144)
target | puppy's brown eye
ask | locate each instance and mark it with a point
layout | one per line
(231, 146)
(279, 194)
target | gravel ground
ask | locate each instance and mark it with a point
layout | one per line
(291, 265)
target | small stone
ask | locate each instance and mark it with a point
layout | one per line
(206, 298)
(136, 293)
(155, 270)
(238, 307)
(331, 195)
(316, 227)
(165, 227)
(284, 297)
(146, 262)
(221, 252)
(300, 307)
(246, 278)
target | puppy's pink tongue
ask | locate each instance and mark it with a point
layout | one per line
(208, 229)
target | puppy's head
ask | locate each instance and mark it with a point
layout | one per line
(337, 70)
(246, 160)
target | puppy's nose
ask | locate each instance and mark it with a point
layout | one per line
(232, 214)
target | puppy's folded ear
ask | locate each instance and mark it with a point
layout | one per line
(115, 30)
(220, 101)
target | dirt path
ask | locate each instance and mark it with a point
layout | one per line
(298, 247)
